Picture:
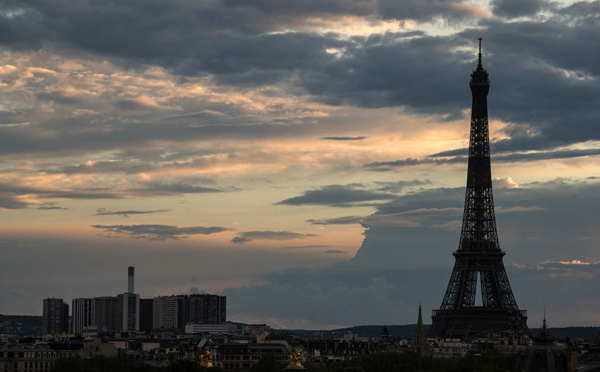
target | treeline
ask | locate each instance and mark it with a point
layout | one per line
(411, 362)
(102, 364)
(379, 362)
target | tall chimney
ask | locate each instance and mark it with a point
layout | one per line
(130, 279)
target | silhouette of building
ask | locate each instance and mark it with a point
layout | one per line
(165, 312)
(175, 312)
(83, 315)
(105, 313)
(546, 355)
(126, 312)
(108, 314)
(128, 306)
(146, 314)
(55, 316)
(479, 257)
(206, 309)
(384, 335)
(419, 342)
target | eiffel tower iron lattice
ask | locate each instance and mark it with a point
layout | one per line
(479, 254)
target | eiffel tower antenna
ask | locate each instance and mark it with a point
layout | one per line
(478, 253)
(479, 51)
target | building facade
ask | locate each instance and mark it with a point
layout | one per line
(55, 316)
(83, 315)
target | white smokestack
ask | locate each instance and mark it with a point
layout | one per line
(130, 279)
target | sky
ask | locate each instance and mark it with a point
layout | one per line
(306, 159)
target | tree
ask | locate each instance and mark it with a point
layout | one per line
(268, 363)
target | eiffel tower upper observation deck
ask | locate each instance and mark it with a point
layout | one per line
(479, 253)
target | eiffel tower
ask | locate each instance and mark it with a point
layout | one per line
(479, 254)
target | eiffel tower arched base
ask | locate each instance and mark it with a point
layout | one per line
(471, 323)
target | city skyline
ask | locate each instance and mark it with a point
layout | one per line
(307, 161)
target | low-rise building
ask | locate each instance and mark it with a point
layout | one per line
(30, 358)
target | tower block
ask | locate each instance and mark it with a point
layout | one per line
(479, 255)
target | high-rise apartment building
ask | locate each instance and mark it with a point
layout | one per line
(165, 312)
(206, 309)
(128, 313)
(55, 316)
(106, 314)
(83, 315)
(146, 314)
(174, 312)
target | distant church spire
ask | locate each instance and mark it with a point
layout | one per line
(420, 321)
(419, 342)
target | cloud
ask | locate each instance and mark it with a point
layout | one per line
(99, 167)
(346, 220)
(398, 186)
(523, 58)
(335, 251)
(515, 8)
(158, 232)
(178, 188)
(17, 194)
(569, 268)
(116, 103)
(337, 196)
(384, 166)
(400, 265)
(413, 218)
(104, 212)
(248, 236)
(344, 138)
(240, 240)
(506, 182)
(50, 206)
(496, 158)
(196, 290)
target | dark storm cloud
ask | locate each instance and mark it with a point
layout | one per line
(344, 138)
(104, 212)
(517, 8)
(397, 267)
(421, 73)
(145, 29)
(532, 215)
(247, 236)
(542, 85)
(158, 232)
(337, 196)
